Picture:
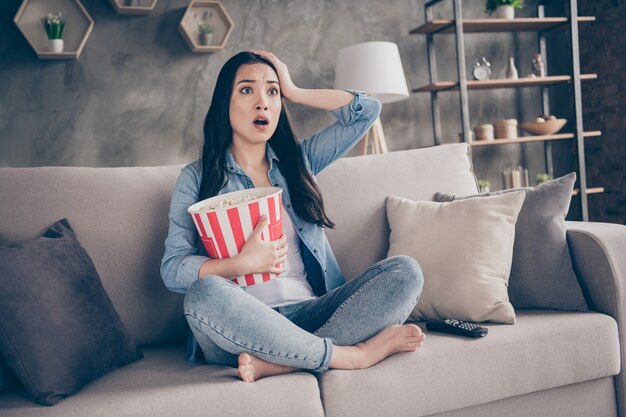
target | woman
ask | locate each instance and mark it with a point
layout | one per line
(307, 318)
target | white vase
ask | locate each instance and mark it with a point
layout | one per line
(205, 38)
(56, 45)
(505, 12)
(511, 71)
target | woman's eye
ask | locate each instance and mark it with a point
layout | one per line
(274, 91)
(243, 90)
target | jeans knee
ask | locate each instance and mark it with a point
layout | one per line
(410, 274)
(203, 289)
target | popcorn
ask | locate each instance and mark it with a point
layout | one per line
(231, 201)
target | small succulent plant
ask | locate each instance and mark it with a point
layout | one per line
(53, 25)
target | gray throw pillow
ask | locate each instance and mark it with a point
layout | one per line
(542, 275)
(58, 327)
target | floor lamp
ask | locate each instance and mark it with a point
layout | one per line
(376, 68)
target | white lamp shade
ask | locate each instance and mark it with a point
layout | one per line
(373, 67)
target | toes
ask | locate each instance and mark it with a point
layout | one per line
(415, 330)
(245, 374)
(246, 369)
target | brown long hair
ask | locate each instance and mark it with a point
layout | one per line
(306, 197)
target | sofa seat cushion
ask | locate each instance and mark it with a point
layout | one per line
(544, 349)
(165, 384)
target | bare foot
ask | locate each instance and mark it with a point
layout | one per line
(252, 368)
(391, 340)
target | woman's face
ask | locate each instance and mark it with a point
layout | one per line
(256, 95)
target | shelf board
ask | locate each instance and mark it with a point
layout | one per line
(537, 138)
(530, 24)
(596, 190)
(502, 83)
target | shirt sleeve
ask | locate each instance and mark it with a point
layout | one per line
(181, 263)
(334, 141)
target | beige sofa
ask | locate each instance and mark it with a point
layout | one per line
(550, 363)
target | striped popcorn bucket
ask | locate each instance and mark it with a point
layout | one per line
(225, 222)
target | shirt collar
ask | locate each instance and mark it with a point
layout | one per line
(271, 155)
(233, 166)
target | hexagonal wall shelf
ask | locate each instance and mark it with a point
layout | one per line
(78, 25)
(133, 6)
(212, 13)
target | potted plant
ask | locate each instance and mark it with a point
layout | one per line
(205, 30)
(53, 25)
(541, 178)
(505, 9)
(484, 186)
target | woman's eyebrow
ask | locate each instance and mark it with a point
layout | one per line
(254, 81)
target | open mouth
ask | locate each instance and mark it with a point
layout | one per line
(261, 122)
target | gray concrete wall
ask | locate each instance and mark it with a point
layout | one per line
(138, 96)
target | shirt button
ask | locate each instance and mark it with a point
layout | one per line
(299, 229)
(275, 184)
(288, 205)
(314, 250)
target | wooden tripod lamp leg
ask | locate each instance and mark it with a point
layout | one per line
(379, 136)
(375, 141)
(364, 143)
(379, 144)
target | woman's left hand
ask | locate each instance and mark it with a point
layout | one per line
(287, 87)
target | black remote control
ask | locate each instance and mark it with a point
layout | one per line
(461, 328)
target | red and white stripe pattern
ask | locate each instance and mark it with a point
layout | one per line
(224, 232)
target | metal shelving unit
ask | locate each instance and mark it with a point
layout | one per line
(542, 25)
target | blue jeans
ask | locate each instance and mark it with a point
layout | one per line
(227, 321)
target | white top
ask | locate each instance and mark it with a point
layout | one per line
(291, 286)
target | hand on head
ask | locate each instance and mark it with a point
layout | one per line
(287, 86)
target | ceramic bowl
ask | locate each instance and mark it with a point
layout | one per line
(548, 127)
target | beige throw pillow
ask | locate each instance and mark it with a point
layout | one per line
(465, 249)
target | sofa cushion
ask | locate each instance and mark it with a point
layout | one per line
(120, 215)
(544, 349)
(355, 189)
(542, 275)
(58, 328)
(464, 249)
(163, 384)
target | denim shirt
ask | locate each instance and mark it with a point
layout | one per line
(184, 252)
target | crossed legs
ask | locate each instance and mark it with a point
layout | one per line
(352, 327)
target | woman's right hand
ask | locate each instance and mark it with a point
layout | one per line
(260, 257)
